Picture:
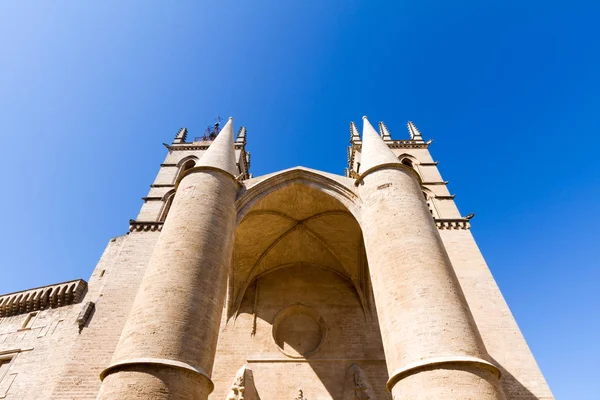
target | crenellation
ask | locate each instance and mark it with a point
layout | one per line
(40, 298)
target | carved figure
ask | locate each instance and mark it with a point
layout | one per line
(242, 387)
(357, 386)
(238, 386)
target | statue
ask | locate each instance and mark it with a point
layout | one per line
(243, 387)
(357, 386)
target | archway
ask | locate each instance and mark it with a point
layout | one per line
(300, 310)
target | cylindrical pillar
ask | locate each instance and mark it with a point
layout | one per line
(432, 346)
(167, 347)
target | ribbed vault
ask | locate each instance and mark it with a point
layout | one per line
(297, 224)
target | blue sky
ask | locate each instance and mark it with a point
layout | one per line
(508, 91)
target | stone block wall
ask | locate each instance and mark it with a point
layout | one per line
(350, 336)
(36, 331)
(521, 376)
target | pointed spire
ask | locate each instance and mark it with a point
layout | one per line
(414, 132)
(385, 133)
(354, 135)
(241, 136)
(374, 150)
(181, 136)
(221, 153)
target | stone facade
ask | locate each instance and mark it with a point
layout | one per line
(298, 284)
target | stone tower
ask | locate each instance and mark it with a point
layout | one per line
(298, 284)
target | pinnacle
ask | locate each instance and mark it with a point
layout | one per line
(414, 132)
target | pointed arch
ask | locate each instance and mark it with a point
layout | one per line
(295, 205)
(340, 188)
(167, 202)
(185, 164)
(411, 162)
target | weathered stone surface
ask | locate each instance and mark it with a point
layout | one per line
(321, 286)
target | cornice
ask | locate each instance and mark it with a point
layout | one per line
(408, 144)
(435, 183)
(442, 224)
(398, 144)
(41, 298)
(145, 226)
(452, 224)
(204, 145)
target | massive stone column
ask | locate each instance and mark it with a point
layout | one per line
(433, 349)
(167, 347)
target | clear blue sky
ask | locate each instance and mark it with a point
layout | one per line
(508, 91)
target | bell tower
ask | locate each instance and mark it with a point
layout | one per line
(182, 155)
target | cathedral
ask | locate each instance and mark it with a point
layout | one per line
(295, 285)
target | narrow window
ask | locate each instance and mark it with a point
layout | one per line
(166, 208)
(29, 320)
(4, 365)
(407, 162)
(187, 165)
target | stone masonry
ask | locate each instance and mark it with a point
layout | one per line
(298, 284)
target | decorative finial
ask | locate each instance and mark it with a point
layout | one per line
(181, 136)
(415, 134)
(385, 133)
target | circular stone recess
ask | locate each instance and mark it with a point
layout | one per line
(298, 331)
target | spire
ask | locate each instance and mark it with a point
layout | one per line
(241, 136)
(181, 136)
(374, 150)
(221, 153)
(354, 136)
(385, 133)
(414, 132)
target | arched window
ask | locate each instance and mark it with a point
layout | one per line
(184, 165)
(189, 164)
(168, 200)
(407, 162)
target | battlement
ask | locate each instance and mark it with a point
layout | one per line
(40, 298)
